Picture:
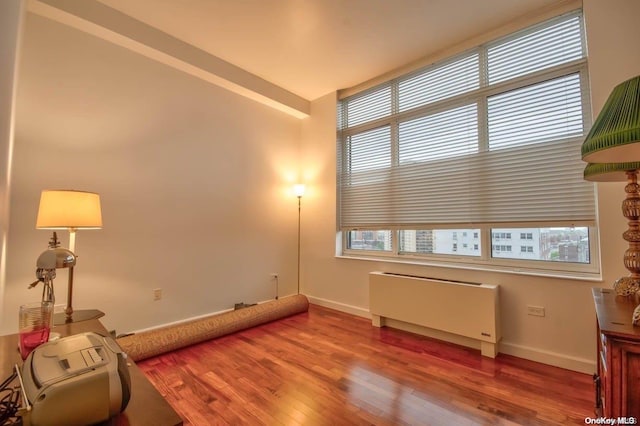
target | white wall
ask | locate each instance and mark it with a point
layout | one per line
(194, 182)
(566, 335)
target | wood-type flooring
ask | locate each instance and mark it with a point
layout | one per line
(326, 367)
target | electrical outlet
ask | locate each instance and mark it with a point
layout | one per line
(274, 275)
(536, 311)
(157, 294)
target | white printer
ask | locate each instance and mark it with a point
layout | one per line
(76, 380)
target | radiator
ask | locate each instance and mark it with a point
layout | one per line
(463, 309)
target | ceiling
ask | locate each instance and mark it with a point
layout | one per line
(313, 47)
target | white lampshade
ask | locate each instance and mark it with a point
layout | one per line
(298, 190)
(65, 209)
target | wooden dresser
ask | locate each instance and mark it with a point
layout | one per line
(618, 376)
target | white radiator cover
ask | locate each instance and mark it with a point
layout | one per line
(464, 309)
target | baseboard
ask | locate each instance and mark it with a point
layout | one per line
(581, 365)
(342, 307)
(555, 359)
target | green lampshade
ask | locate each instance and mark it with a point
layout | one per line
(615, 135)
(609, 172)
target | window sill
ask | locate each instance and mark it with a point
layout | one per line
(568, 275)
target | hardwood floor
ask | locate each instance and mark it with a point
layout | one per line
(326, 367)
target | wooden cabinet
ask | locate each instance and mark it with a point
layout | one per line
(618, 376)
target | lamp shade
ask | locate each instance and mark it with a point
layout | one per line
(298, 189)
(64, 209)
(609, 172)
(615, 135)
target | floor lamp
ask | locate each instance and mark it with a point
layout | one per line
(298, 190)
(612, 149)
(70, 210)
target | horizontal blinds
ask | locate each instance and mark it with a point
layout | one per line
(450, 79)
(551, 110)
(368, 107)
(486, 156)
(508, 185)
(446, 134)
(542, 47)
(369, 150)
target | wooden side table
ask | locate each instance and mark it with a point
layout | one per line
(618, 393)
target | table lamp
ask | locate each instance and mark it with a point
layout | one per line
(612, 149)
(70, 210)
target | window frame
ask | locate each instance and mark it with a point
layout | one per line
(479, 97)
(485, 261)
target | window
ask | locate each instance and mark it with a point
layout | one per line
(369, 240)
(489, 137)
(439, 242)
(559, 244)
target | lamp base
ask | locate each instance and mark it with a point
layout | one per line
(77, 316)
(626, 286)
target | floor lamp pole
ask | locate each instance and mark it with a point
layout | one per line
(299, 209)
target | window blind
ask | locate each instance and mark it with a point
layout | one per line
(509, 185)
(553, 43)
(369, 106)
(458, 76)
(468, 142)
(446, 134)
(551, 110)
